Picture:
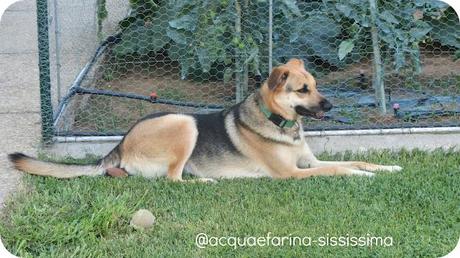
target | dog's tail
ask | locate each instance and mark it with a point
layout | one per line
(42, 168)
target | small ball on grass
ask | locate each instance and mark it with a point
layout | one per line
(142, 219)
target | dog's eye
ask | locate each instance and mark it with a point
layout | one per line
(304, 89)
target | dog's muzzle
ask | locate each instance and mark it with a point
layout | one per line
(325, 105)
(317, 112)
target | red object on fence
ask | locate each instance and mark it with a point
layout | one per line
(153, 96)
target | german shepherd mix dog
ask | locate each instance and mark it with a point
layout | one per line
(259, 137)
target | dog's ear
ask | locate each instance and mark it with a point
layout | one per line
(277, 78)
(296, 62)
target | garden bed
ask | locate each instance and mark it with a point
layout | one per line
(429, 99)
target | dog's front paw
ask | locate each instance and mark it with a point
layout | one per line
(205, 180)
(391, 168)
(355, 172)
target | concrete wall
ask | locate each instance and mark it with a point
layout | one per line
(80, 146)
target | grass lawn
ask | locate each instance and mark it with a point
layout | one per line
(419, 208)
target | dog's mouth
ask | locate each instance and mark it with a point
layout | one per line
(306, 112)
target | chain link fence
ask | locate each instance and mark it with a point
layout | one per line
(383, 64)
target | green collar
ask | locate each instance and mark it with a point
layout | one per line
(276, 119)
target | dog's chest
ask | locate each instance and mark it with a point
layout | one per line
(291, 135)
(231, 167)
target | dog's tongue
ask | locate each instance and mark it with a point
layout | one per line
(319, 115)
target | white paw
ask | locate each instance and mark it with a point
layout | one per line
(391, 168)
(356, 172)
(206, 180)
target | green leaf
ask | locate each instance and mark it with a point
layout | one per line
(228, 74)
(142, 38)
(125, 48)
(318, 33)
(322, 26)
(345, 9)
(420, 31)
(186, 22)
(154, 39)
(387, 28)
(204, 59)
(177, 51)
(345, 47)
(292, 6)
(185, 65)
(177, 36)
(181, 54)
(389, 17)
(126, 22)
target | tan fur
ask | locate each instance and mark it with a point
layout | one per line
(275, 95)
(41, 168)
(280, 161)
(167, 140)
(163, 145)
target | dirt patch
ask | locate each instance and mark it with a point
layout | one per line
(434, 67)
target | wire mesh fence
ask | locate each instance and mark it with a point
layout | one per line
(383, 64)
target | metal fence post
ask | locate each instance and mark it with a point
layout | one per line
(239, 94)
(57, 40)
(46, 108)
(270, 36)
(378, 67)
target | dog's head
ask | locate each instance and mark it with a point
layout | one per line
(291, 91)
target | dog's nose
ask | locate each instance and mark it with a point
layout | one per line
(325, 105)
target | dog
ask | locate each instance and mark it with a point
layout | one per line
(262, 136)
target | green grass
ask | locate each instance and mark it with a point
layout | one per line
(89, 217)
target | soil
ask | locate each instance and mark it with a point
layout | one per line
(434, 66)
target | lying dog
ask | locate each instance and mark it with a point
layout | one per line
(259, 137)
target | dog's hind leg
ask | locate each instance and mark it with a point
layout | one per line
(159, 146)
(180, 151)
(176, 168)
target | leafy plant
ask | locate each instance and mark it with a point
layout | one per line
(219, 37)
(102, 14)
(400, 26)
(445, 28)
(189, 32)
(311, 36)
